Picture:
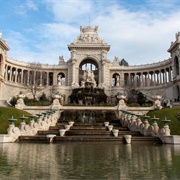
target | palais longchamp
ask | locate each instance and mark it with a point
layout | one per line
(89, 63)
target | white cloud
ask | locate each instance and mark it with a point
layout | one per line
(140, 35)
(71, 10)
(23, 8)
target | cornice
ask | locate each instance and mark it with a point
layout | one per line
(88, 46)
(4, 45)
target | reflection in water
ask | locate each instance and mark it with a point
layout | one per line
(88, 161)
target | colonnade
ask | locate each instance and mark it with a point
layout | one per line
(132, 76)
(143, 79)
(28, 76)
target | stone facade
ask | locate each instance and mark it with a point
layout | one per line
(89, 52)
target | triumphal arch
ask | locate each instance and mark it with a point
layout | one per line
(89, 65)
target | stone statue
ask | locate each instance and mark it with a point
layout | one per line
(117, 80)
(88, 75)
(96, 29)
(116, 58)
(61, 58)
(81, 29)
(60, 80)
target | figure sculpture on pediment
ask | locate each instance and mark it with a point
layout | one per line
(81, 29)
(81, 38)
(116, 58)
(96, 29)
(61, 58)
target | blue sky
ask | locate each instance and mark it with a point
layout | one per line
(139, 31)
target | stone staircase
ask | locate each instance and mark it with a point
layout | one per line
(88, 132)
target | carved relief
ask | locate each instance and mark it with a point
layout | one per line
(88, 35)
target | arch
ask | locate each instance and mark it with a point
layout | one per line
(91, 66)
(176, 65)
(115, 79)
(25, 77)
(50, 81)
(61, 79)
(44, 78)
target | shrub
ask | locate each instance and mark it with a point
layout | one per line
(13, 101)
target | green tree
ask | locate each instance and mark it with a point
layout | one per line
(123, 62)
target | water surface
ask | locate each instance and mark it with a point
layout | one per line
(88, 161)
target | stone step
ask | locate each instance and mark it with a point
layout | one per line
(33, 139)
(42, 132)
(88, 128)
(88, 139)
(85, 133)
(119, 139)
(133, 133)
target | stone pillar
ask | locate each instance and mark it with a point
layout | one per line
(73, 71)
(148, 78)
(157, 78)
(122, 80)
(154, 73)
(16, 74)
(103, 74)
(165, 76)
(10, 73)
(28, 72)
(142, 80)
(160, 77)
(47, 78)
(2, 66)
(40, 83)
(5, 73)
(169, 75)
(22, 76)
(135, 80)
(128, 79)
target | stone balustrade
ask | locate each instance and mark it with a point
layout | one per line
(43, 122)
(134, 123)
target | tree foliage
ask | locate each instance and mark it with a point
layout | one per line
(135, 96)
(123, 62)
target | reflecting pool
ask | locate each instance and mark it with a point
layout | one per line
(89, 161)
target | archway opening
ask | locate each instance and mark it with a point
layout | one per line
(88, 72)
(61, 79)
(176, 63)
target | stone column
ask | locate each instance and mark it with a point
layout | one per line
(40, 83)
(10, 73)
(28, 73)
(165, 76)
(2, 66)
(47, 79)
(5, 73)
(22, 76)
(157, 78)
(129, 79)
(154, 78)
(160, 76)
(102, 73)
(169, 75)
(16, 74)
(122, 80)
